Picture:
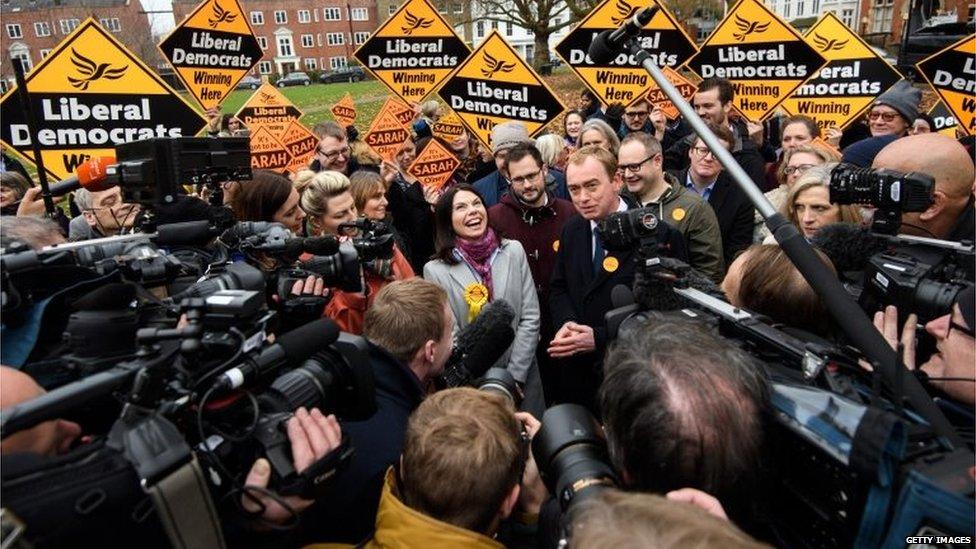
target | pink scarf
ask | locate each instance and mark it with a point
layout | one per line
(477, 254)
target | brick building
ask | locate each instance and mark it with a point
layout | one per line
(32, 28)
(300, 35)
(882, 20)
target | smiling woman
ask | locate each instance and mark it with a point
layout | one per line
(475, 267)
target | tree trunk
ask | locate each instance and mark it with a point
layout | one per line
(541, 55)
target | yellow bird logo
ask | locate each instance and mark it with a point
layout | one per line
(268, 99)
(91, 71)
(493, 66)
(826, 45)
(220, 15)
(624, 12)
(748, 27)
(414, 23)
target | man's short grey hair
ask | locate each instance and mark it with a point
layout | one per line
(37, 232)
(84, 199)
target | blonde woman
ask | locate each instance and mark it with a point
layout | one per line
(808, 203)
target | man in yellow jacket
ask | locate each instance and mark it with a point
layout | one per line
(459, 474)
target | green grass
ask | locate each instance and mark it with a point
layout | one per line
(317, 100)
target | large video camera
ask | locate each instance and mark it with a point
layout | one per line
(890, 191)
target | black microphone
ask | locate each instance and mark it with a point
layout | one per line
(656, 293)
(621, 296)
(185, 233)
(848, 246)
(315, 245)
(481, 344)
(610, 43)
(291, 348)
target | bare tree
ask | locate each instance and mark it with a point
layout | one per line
(537, 16)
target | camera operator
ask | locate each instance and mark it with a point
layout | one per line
(409, 326)
(682, 408)
(952, 368)
(617, 519)
(329, 203)
(950, 217)
(103, 213)
(268, 197)
(50, 438)
(459, 475)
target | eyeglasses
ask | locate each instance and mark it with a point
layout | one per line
(703, 152)
(886, 116)
(633, 168)
(638, 114)
(332, 155)
(954, 325)
(529, 177)
(799, 170)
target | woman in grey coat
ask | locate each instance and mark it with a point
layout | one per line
(475, 267)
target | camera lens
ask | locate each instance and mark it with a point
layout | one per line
(934, 299)
(572, 454)
(500, 380)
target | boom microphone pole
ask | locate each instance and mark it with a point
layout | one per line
(849, 316)
(24, 96)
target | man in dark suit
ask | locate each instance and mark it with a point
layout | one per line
(704, 176)
(585, 274)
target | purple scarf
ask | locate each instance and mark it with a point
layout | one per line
(477, 254)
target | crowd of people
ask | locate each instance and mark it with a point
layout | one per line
(520, 221)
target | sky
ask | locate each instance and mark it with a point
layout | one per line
(161, 23)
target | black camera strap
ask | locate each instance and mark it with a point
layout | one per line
(170, 474)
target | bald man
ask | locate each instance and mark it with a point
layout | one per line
(49, 438)
(950, 217)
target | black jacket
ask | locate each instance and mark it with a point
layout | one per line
(413, 221)
(576, 295)
(348, 513)
(735, 213)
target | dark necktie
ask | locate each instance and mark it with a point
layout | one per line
(598, 252)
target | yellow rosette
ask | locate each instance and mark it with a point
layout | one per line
(476, 296)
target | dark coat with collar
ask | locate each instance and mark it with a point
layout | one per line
(348, 512)
(744, 151)
(413, 221)
(576, 294)
(735, 213)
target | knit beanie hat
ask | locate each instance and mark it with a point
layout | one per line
(903, 97)
(508, 134)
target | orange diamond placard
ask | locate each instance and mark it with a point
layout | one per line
(386, 134)
(434, 165)
(345, 111)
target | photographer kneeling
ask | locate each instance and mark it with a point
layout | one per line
(459, 475)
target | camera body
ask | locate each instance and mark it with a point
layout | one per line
(622, 231)
(891, 192)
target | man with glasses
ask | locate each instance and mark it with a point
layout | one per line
(713, 103)
(640, 166)
(103, 213)
(889, 119)
(534, 216)
(636, 119)
(493, 186)
(704, 177)
(952, 367)
(333, 152)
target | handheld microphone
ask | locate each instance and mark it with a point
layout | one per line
(93, 175)
(315, 245)
(291, 348)
(654, 291)
(609, 43)
(481, 344)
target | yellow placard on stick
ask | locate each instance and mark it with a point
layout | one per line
(212, 49)
(386, 134)
(952, 73)
(495, 85)
(623, 79)
(345, 111)
(413, 52)
(762, 55)
(273, 121)
(434, 165)
(852, 79)
(89, 95)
